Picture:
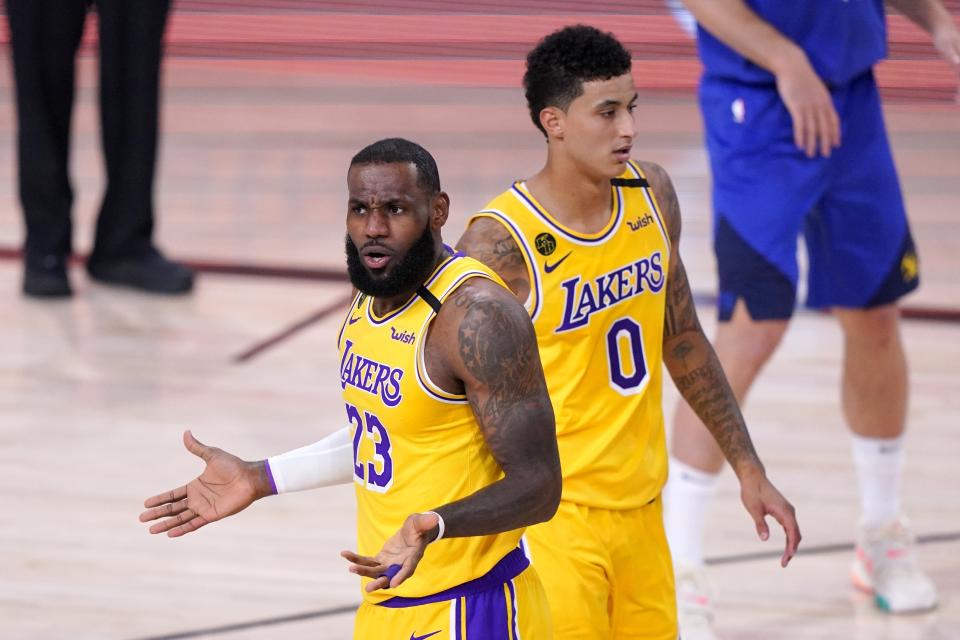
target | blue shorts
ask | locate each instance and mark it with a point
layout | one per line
(766, 192)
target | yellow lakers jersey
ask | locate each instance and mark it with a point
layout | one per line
(597, 303)
(415, 446)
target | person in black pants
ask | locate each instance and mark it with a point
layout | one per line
(45, 35)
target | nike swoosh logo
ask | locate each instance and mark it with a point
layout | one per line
(549, 268)
(352, 320)
(414, 636)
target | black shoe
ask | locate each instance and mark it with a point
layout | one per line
(46, 278)
(151, 273)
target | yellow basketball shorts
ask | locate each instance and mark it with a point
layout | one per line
(607, 574)
(488, 608)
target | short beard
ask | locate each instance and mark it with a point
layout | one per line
(405, 276)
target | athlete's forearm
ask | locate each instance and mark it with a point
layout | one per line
(324, 463)
(696, 371)
(741, 29)
(510, 503)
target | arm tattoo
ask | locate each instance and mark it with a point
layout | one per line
(706, 390)
(489, 242)
(497, 346)
(689, 357)
(499, 350)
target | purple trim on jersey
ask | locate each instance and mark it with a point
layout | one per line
(454, 252)
(546, 218)
(393, 314)
(424, 384)
(531, 261)
(508, 568)
(273, 484)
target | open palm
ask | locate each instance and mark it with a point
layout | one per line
(227, 486)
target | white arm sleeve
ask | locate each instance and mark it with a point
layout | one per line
(321, 464)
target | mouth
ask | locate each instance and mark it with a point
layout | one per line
(622, 154)
(375, 258)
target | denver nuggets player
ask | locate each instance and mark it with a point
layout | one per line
(452, 432)
(589, 244)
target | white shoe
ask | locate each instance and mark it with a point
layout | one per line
(694, 604)
(885, 566)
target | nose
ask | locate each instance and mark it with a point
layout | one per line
(377, 226)
(627, 125)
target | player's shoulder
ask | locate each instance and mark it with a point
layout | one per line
(665, 193)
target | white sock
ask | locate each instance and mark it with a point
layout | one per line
(686, 499)
(879, 465)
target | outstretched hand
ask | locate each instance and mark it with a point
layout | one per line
(400, 555)
(227, 486)
(761, 498)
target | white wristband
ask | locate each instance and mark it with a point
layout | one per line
(321, 464)
(440, 525)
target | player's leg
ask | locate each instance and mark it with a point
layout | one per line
(762, 188)
(644, 596)
(862, 260)
(573, 565)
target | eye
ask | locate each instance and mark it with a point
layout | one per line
(395, 209)
(357, 210)
(632, 108)
(606, 114)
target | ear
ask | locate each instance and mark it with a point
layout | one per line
(552, 120)
(440, 210)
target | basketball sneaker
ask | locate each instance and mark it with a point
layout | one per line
(884, 565)
(694, 608)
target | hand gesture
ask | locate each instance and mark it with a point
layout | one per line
(761, 498)
(400, 554)
(815, 120)
(227, 486)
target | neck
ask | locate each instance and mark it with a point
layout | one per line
(385, 305)
(575, 197)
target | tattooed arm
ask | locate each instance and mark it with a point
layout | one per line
(489, 344)
(489, 242)
(696, 370)
(688, 354)
(482, 341)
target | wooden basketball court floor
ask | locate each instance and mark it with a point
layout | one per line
(95, 391)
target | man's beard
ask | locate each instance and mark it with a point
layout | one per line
(405, 275)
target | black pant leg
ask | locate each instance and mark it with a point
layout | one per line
(131, 48)
(45, 35)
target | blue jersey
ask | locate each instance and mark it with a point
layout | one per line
(842, 39)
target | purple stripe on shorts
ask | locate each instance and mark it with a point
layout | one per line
(487, 615)
(513, 611)
(509, 567)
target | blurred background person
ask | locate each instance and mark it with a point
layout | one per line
(45, 36)
(797, 144)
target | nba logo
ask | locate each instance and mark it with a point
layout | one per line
(739, 110)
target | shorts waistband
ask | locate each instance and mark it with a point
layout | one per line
(508, 568)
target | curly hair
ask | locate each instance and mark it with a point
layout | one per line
(560, 63)
(390, 150)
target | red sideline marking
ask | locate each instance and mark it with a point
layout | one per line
(932, 314)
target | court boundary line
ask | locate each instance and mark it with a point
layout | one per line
(736, 558)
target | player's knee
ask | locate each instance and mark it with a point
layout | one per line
(879, 326)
